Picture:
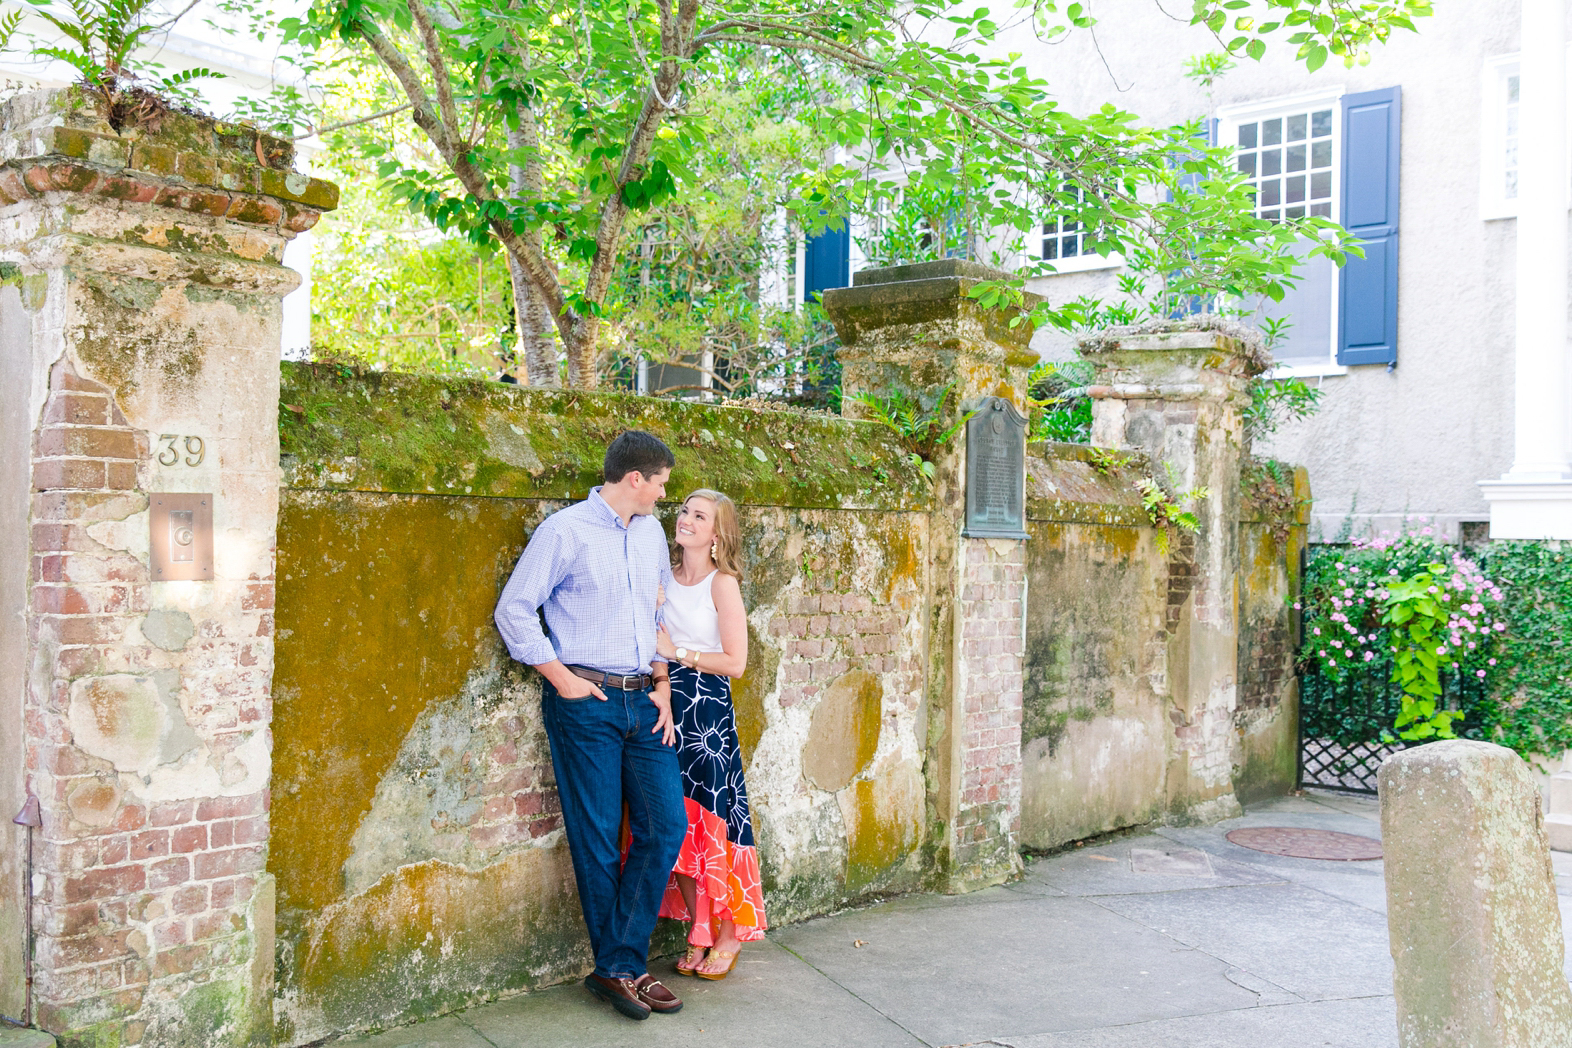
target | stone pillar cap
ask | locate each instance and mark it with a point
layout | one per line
(921, 293)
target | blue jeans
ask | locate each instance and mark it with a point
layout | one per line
(605, 754)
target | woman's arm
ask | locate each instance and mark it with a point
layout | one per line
(733, 620)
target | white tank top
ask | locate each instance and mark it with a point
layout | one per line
(690, 615)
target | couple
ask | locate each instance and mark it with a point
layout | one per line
(637, 705)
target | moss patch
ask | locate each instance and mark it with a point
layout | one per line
(348, 430)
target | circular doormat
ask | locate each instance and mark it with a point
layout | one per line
(1306, 844)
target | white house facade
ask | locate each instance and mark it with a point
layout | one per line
(1442, 353)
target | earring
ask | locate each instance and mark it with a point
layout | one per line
(712, 549)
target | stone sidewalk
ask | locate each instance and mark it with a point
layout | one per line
(1172, 939)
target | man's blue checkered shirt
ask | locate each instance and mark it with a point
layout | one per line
(597, 581)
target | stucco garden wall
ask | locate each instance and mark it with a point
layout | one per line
(417, 844)
(417, 839)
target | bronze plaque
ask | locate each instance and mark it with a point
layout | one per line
(996, 472)
(181, 536)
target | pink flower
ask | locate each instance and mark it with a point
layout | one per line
(1318, 631)
(1492, 662)
(1369, 655)
(1480, 674)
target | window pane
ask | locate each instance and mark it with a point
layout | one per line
(1246, 162)
(1512, 89)
(1070, 227)
(1270, 216)
(1071, 247)
(1271, 193)
(1321, 210)
(1246, 136)
(1321, 124)
(1050, 248)
(1321, 154)
(1271, 132)
(1296, 128)
(1050, 227)
(1294, 212)
(1295, 188)
(1271, 161)
(1511, 185)
(1296, 158)
(1320, 185)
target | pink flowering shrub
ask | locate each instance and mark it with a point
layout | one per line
(1410, 603)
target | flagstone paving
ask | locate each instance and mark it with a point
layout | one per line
(1176, 938)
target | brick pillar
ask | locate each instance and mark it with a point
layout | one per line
(141, 284)
(914, 329)
(1177, 396)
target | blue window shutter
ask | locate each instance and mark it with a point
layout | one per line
(827, 261)
(1367, 287)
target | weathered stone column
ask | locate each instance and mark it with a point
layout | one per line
(1178, 396)
(140, 338)
(913, 329)
(1471, 901)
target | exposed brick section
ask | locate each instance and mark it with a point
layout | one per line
(160, 892)
(991, 614)
(829, 629)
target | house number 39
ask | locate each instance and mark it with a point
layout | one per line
(171, 445)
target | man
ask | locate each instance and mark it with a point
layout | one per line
(595, 568)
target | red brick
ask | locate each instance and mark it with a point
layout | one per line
(84, 629)
(105, 882)
(170, 813)
(220, 835)
(233, 892)
(169, 934)
(103, 442)
(68, 473)
(169, 872)
(88, 949)
(120, 475)
(257, 597)
(188, 900)
(79, 409)
(188, 839)
(231, 807)
(212, 925)
(150, 844)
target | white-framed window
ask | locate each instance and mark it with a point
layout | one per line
(1499, 94)
(1063, 244)
(1290, 149)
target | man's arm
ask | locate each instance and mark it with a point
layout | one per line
(539, 571)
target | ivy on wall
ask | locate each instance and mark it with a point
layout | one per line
(1509, 682)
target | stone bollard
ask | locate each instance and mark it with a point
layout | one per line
(1558, 819)
(1177, 394)
(140, 284)
(915, 330)
(1471, 901)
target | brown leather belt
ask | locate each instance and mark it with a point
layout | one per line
(624, 681)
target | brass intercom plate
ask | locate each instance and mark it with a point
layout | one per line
(182, 536)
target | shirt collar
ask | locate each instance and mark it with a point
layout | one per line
(603, 508)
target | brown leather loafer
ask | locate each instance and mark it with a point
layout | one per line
(622, 993)
(652, 993)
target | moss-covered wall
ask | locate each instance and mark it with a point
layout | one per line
(416, 836)
(1098, 733)
(417, 845)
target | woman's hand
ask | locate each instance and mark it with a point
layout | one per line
(663, 645)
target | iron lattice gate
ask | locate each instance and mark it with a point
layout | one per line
(1346, 727)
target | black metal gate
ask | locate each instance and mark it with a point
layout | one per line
(1345, 727)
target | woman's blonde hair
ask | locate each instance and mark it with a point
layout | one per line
(728, 534)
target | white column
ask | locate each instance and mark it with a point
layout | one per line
(1534, 499)
(1540, 426)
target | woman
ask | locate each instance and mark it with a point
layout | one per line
(715, 884)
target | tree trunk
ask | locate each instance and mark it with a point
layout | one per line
(582, 354)
(537, 331)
